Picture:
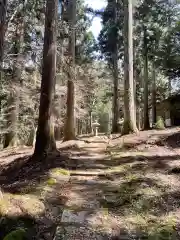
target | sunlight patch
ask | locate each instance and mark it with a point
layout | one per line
(15, 205)
(60, 171)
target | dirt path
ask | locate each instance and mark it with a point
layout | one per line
(118, 188)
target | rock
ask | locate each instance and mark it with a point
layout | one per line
(57, 178)
(110, 199)
(97, 218)
(44, 221)
(16, 234)
(47, 236)
(83, 204)
(60, 233)
(53, 214)
(60, 175)
(71, 216)
(91, 182)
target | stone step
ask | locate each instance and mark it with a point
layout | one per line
(84, 217)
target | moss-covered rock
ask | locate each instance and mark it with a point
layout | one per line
(17, 225)
(160, 124)
(19, 234)
(58, 176)
(51, 181)
(60, 171)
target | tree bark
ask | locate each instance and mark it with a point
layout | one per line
(154, 94)
(69, 128)
(45, 142)
(146, 105)
(169, 86)
(115, 127)
(90, 122)
(31, 139)
(129, 99)
(3, 11)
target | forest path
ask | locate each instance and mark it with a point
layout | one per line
(107, 188)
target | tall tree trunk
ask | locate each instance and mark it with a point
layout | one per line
(32, 135)
(146, 105)
(3, 10)
(169, 47)
(169, 85)
(11, 138)
(138, 100)
(129, 99)
(115, 127)
(90, 122)
(69, 128)
(45, 141)
(154, 94)
(135, 75)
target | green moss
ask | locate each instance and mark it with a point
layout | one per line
(119, 169)
(160, 124)
(161, 232)
(61, 171)
(105, 211)
(51, 181)
(132, 177)
(18, 234)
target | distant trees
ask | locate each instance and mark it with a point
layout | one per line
(152, 42)
(22, 65)
(146, 84)
(139, 43)
(115, 43)
(111, 46)
(11, 138)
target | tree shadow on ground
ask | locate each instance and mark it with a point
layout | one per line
(126, 146)
(132, 195)
(26, 171)
(172, 141)
(127, 192)
(38, 216)
(148, 162)
(147, 208)
(161, 233)
(9, 224)
(140, 195)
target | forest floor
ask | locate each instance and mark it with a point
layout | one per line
(95, 188)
